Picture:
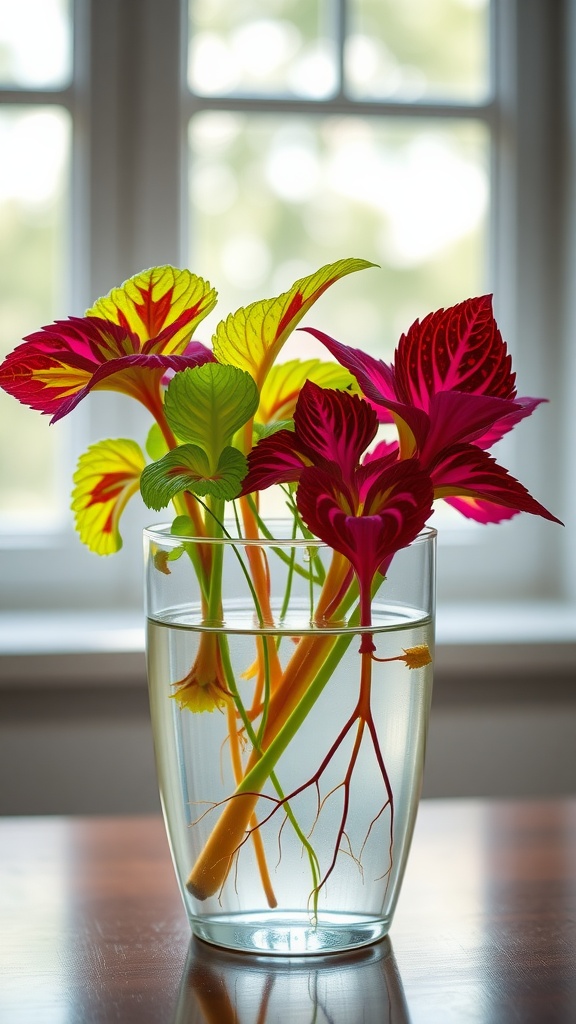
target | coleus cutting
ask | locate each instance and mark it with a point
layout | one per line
(450, 391)
(231, 420)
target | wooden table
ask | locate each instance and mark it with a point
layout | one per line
(92, 930)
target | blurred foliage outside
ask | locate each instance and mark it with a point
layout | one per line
(400, 49)
(272, 196)
(34, 260)
(35, 43)
(272, 200)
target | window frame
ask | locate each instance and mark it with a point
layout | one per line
(524, 86)
(121, 52)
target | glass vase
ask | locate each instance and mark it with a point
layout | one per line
(289, 740)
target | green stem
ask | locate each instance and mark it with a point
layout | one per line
(254, 780)
(288, 590)
(319, 578)
(255, 741)
(256, 777)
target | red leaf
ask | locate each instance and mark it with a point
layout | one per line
(332, 429)
(277, 459)
(459, 348)
(396, 508)
(377, 381)
(468, 471)
(337, 426)
(482, 511)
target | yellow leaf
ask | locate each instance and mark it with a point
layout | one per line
(156, 299)
(252, 337)
(107, 476)
(283, 384)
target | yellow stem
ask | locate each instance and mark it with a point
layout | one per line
(212, 866)
(261, 580)
(256, 837)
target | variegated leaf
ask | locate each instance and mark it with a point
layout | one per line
(252, 337)
(107, 476)
(283, 384)
(161, 302)
(187, 468)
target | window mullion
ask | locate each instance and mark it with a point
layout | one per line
(150, 172)
(100, 129)
(129, 130)
(341, 20)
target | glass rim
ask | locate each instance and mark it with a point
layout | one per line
(160, 534)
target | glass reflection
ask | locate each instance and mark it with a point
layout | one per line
(33, 917)
(224, 988)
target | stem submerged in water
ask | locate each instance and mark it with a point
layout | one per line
(320, 657)
(308, 672)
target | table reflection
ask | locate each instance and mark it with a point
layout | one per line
(220, 987)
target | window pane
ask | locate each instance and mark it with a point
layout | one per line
(273, 200)
(35, 43)
(278, 48)
(34, 172)
(411, 49)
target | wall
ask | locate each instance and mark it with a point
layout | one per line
(74, 744)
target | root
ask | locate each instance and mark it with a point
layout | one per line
(361, 719)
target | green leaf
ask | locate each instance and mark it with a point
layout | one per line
(182, 526)
(205, 405)
(187, 468)
(265, 429)
(156, 446)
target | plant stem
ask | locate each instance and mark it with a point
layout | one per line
(253, 824)
(212, 866)
(256, 837)
(308, 672)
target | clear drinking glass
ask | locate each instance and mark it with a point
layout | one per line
(290, 819)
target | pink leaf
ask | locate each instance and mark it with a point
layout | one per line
(468, 471)
(482, 511)
(377, 381)
(381, 450)
(523, 407)
(396, 508)
(456, 417)
(277, 459)
(337, 426)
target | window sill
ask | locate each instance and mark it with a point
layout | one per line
(107, 648)
(66, 648)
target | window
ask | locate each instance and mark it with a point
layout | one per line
(35, 138)
(310, 136)
(254, 147)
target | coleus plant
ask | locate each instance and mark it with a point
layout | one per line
(231, 420)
